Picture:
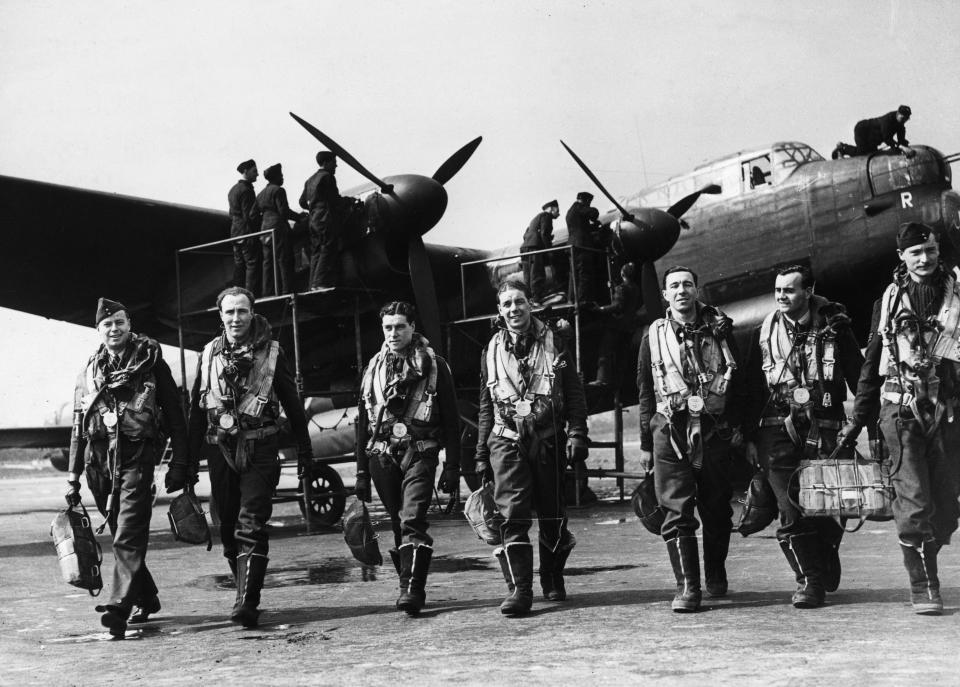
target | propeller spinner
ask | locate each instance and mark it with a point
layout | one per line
(646, 234)
(411, 205)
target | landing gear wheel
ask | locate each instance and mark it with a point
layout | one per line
(327, 499)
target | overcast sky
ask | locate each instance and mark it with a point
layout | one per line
(162, 100)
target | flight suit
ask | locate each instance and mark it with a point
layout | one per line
(820, 357)
(118, 438)
(691, 450)
(239, 434)
(527, 456)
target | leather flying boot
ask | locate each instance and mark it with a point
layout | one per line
(715, 547)
(685, 559)
(552, 565)
(232, 562)
(395, 557)
(803, 553)
(404, 564)
(414, 596)
(519, 557)
(251, 569)
(921, 565)
(143, 611)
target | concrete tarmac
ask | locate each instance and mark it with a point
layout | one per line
(328, 621)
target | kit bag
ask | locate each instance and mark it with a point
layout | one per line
(480, 510)
(759, 506)
(845, 487)
(188, 522)
(359, 534)
(77, 549)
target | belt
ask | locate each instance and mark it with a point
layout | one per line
(507, 433)
(779, 422)
(420, 445)
(254, 434)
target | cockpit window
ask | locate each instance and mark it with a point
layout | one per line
(756, 172)
(889, 172)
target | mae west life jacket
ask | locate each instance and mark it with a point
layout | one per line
(217, 399)
(669, 359)
(419, 408)
(101, 415)
(779, 355)
(506, 383)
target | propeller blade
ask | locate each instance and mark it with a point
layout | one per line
(626, 215)
(681, 206)
(448, 169)
(650, 290)
(421, 276)
(340, 152)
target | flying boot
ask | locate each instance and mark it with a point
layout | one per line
(715, 547)
(142, 611)
(414, 566)
(114, 618)
(685, 559)
(551, 572)
(921, 564)
(518, 557)
(802, 552)
(251, 571)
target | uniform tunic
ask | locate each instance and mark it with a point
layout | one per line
(322, 198)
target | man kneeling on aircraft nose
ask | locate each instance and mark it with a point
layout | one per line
(408, 412)
(530, 399)
(116, 436)
(690, 405)
(242, 380)
(803, 357)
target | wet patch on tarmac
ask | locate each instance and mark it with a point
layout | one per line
(458, 565)
(594, 569)
(131, 635)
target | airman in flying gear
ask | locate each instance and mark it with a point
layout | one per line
(532, 423)
(803, 357)
(690, 408)
(407, 413)
(117, 439)
(242, 381)
(911, 377)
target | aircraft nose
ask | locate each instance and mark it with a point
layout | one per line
(415, 204)
(649, 235)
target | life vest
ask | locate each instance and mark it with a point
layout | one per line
(506, 383)
(135, 419)
(215, 395)
(419, 408)
(899, 343)
(668, 360)
(782, 375)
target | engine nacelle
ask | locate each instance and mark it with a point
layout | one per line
(648, 236)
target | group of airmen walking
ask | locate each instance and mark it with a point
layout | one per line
(780, 401)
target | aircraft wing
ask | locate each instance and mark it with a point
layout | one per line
(64, 247)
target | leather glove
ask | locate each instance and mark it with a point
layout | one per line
(177, 477)
(362, 488)
(646, 461)
(450, 479)
(753, 456)
(73, 494)
(483, 469)
(847, 436)
(577, 450)
(722, 327)
(304, 465)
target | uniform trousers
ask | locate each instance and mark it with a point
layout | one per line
(324, 251)
(406, 493)
(246, 265)
(530, 482)
(130, 523)
(534, 272)
(925, 472)
(284, 252)
(780, 459)
(244, 499)
(681, 488)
